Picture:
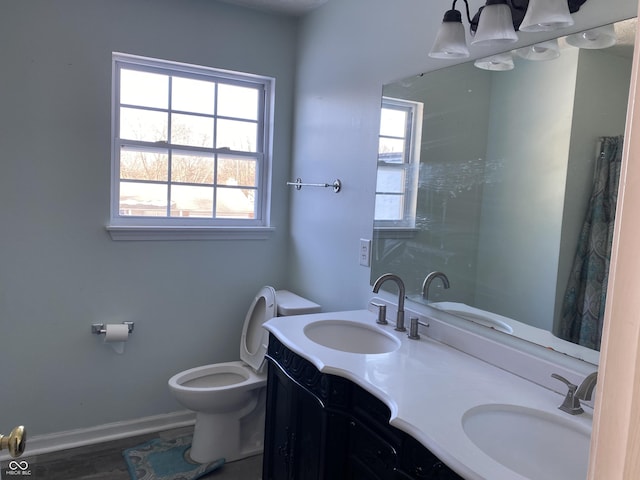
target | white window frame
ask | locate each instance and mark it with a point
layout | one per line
(410, 165)
(123, 227)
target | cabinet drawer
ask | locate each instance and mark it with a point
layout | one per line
(371, 453)
(375, 414)
(419, 463)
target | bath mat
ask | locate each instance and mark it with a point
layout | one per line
(161, 459)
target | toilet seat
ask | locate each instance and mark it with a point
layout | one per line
(217, 388)
(255, 339)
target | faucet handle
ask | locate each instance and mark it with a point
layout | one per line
(571, 403)
(382, 313)
(413, 330)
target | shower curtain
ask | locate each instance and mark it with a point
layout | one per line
(584, 300)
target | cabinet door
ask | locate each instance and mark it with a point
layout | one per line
(303, 439)
(280, 435)
(307, 450)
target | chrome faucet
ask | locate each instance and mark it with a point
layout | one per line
(401, 291)
(571, 403)
(430, 278)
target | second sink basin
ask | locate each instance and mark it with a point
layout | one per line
(533, 443)
(352, 337)
(476, 315)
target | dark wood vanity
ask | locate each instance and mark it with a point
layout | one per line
(321, 426)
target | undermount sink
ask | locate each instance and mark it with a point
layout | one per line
(352, 337)
(535, 444)
(485, 320)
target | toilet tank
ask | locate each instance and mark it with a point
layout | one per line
(291, 304)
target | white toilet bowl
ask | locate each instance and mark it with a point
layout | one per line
(216, 388)
(229, 398)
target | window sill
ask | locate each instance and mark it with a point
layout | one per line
(119, 232)
(395, 232)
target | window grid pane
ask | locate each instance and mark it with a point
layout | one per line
(389, 207)
(143, 199)
(143, 89)
(195, 96)
(238, 102)
(235, 203)
(187, 168)
(191, 201)
(239, 171)
(393, 122)
(138, 164)
(192, 130)
(237, 135)
(143, 125)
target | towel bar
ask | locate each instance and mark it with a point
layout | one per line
(337, 184)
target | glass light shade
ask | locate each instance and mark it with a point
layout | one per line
(495, 26)
(545, 15)
(541, 51)
(450, 41)
(601, 37)
(497, 63)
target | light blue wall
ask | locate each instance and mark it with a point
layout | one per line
(529, 134)
(59, 269)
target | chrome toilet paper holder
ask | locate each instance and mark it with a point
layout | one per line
(100, 328)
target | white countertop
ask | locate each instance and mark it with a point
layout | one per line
(428, 386)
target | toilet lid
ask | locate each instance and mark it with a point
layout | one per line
(253, 344)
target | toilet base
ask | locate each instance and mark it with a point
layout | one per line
(231, 436)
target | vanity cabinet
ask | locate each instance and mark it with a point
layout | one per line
(324, 427)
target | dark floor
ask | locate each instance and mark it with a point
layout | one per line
(104, 461)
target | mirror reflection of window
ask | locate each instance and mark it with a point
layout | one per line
(398, 159)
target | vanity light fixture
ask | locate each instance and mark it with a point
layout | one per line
(545, 15)
(495, 25)
(497, 22)
(601, 37)
(450, 40)
(541, 51)
(496, 63)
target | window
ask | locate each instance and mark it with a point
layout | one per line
(190, 148)
(398, 161)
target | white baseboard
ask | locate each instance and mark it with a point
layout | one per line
(53, 442)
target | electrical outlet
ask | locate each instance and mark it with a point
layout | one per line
(365, 252)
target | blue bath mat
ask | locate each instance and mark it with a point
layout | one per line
(161, 459)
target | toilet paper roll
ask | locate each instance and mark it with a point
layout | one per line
(116, 335)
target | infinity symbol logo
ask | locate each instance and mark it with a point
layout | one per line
(13, 465)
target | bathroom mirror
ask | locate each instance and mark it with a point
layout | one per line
(486, 174)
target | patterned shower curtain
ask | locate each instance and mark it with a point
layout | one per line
(584, 300)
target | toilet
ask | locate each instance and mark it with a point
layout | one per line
(229, 398)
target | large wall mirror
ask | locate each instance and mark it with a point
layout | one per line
(503, 176)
